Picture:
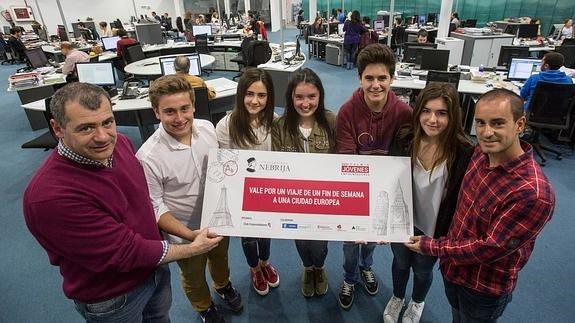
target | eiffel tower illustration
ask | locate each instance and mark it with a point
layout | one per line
(221, 216)
(399, 217)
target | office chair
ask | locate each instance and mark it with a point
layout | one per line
(239, 58)
(568, 53)
(398, 38)
(259, 52)
(201, 42)
(550, 108)
(133, 53)
(202, 105)
(443, 77)
(48, 140)
(6, 52)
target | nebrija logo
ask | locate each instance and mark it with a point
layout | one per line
(360, 169)
(251, 165)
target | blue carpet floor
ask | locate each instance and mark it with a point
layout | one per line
(31, 290)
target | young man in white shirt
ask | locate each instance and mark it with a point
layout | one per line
(175, 161)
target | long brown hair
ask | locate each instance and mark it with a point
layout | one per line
(453, 135)
(241, 132)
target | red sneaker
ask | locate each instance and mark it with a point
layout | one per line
(259, 282)
(271, 275)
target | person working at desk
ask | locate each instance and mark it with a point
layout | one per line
(550, 72)
(16, 44)
(567, 30)
(73, 56)
(175, 164)
(123, 42)
(182, 67)
(89, 208)
(504, 202)
(422, 36)
(455, 19)
(317, 28)
(104, 30)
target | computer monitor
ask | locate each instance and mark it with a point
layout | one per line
(202, 29)
(379, 25)
(568, 42)
(167, 64)
(471, 23)
(412, 52)
(62, 33)
(36, 57)
(528, 31)
(511, 29)
(506, 53)
(340, 29)
(434, 59)
(432, 18)
(421, 19)
(520, 69)
(99, 73)
(333, 28)
(555, 29)
(109, 43)
(7, 30)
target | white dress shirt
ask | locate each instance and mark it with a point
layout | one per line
(176, 173)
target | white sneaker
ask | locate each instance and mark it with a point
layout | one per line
(413, 312)
(392, 310)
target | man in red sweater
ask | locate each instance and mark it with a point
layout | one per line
(89, 208)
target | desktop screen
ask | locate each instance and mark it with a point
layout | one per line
(379, 25)
(333, 28)
(100, 73)
(521, 69)
(421, 19)
(110, 42)
(167, 64)
(434, 59)
(412, 52)
(62, 33)
(202, 29)
(36, 57)
(528, 31)
(432, 18)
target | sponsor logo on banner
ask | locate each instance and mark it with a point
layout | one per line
(354, 169)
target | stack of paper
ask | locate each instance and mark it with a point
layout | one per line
(21, 80)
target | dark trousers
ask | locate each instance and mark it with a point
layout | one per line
(312, 252)
(256, 249)
(469, 306)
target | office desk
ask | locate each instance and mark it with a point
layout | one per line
(151, 66)
(139, 113)
(316, 45)
(281, 75)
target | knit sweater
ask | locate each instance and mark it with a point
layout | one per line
(97, 224)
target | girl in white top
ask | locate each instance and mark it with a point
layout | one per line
(104, 30)
(439, 152)
(248, 126)
(567, 30)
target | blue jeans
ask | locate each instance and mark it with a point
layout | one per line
(350, 50)
(469, 306)
(149, 302)
(404, 260)
(351, 262)
(312, 252)
(256, 249)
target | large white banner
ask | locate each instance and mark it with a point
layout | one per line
(308, 196)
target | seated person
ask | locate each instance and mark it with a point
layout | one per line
(550, 72)
(455, 19)
(247, 32)
(422, 36)
(567, 30)
(317, 27)
(87, 33)
(182, 67)
(73, 56)
(123, 42)
(16, 44)
(104, 30)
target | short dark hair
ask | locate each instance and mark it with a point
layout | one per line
(515, 101)
(167, 85)
(376, 54)
(121, 32)
(87, 95)
(422, 32)
(554, 60)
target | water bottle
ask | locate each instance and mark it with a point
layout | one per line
(481, 68)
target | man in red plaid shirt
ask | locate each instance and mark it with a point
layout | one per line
(504, 203)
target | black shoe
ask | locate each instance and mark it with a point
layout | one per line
(231, 297)
(346, 295)
(369, 281)
(212, 315)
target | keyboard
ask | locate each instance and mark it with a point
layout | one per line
(532, 43)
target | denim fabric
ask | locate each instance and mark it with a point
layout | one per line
(150, 302)
(350, 50)
(404, 260)
(468, 306)
(256, 249)
(351, 262)
(312, 252)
